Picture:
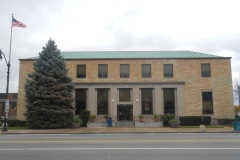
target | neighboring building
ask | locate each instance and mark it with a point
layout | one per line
(12, 97)
(125, 84)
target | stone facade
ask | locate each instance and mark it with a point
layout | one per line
(186, 80)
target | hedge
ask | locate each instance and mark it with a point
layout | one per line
(194, 120)
(16, 123)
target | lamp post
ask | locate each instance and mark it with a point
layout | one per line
(7, 101)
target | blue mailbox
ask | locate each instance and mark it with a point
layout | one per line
(109, 122)
(237, 122)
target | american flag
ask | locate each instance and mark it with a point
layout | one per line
(16, 23)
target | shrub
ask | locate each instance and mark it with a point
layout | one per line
(194, 120)
(16, 123)
(141, 116)
(225, 121)
(166, 117)
(237, 108)
(92, 116)
(84, 115)
(76, 120)
(156, 115)
(173, 121)
(107, 116)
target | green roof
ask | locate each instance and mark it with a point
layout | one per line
(136, 55)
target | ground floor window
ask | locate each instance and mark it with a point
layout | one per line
(169, 100)
(207, 102)
(102, 101)
(2, 105)
(14, 105)
(124, 95)
(147, 101)
(80, 100)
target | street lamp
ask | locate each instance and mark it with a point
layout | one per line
(137, 105)
(112, 107)
(7, 100)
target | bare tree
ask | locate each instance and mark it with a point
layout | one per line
(236, 89)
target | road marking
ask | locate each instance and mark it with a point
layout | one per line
(228, 136)
(70, 149)
(63, 137)
(120, 141)
(51, 134)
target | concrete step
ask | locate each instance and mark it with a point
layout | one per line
(125, 124)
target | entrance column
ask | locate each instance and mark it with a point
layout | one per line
(92, 100)
(113, 102)
(136, 101)
(158, 106)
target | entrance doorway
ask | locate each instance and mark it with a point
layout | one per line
(124, 112)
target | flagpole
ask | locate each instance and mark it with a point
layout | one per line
(6, 108)
(14, 23)
(10, 50)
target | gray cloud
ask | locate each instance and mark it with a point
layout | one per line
(119, 25)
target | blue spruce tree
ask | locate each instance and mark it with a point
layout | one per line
(49, 91)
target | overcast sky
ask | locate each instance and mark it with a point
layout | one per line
(208, 26)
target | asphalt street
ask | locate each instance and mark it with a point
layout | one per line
(151, 146)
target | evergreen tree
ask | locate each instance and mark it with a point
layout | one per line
(49, 91)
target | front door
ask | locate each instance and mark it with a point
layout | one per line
(125, 113)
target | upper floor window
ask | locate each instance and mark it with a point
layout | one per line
(102, 71)
(205, 70)
(168, 70)
(146, 70)
(81, 71)
(124, 70)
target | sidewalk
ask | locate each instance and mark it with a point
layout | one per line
(84, 130)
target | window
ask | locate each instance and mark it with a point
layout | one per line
(14, 105)
(169, 100)
(102, 101)
(207, 102)
(205, 69)
(147, 107)
(124, 70)
(81, 71)
(2, 95)
(15, 95)
(168, 70)
(146, 70)
(80, 100)
(2, 104)
(124, 95)
(102, 71)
